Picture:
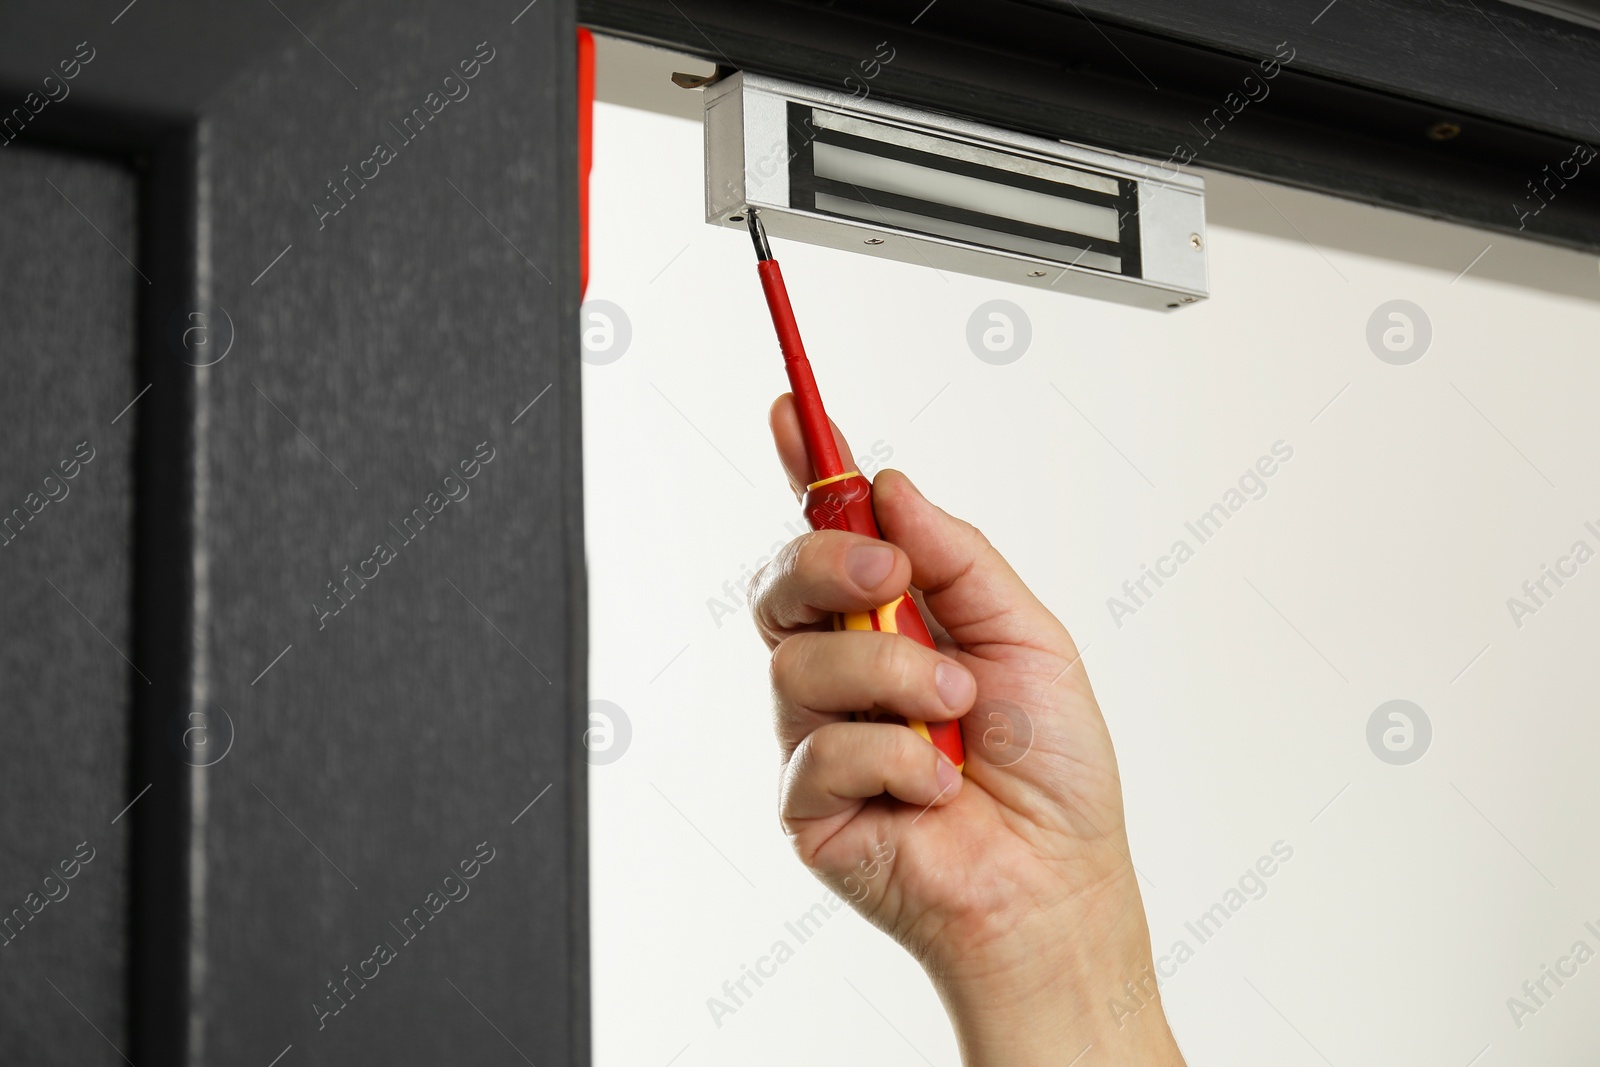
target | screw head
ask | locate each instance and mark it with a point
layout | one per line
(874, 241)
(1443, 131)
(1036, 274)
(1195, 242)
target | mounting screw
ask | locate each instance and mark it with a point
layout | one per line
(1036, 274)
(874, 240)
(1195, 242)
(1443, 131)
(1188, 300)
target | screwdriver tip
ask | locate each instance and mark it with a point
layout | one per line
(758, 235)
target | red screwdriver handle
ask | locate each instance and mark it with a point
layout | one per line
(844, 502)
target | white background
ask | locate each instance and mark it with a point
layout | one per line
(1377, 567)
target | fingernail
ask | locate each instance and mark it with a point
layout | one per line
(867, 565)
(954, 685)
(946, 774)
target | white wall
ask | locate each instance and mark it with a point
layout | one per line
(1377, 566)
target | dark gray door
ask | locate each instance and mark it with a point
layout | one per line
(67, 322)
(293, 659)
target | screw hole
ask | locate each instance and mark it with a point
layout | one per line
(735, 218)
(1443, 131)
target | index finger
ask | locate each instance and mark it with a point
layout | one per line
(785, 424)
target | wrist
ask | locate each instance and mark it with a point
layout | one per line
(1063, 1026)
(1073, 981)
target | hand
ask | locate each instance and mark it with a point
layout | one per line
(1012, 886)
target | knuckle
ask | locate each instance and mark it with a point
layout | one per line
(781, 590)
(753, 588)
(818, 560)
(788, 663)
(809, 547)
(775, 603)
(788, 786)
(823, 747)
(903, 753)
(813, 552)
(894, 667)
(978, 538)
(762, 584)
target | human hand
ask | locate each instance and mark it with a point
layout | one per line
(1013, 886)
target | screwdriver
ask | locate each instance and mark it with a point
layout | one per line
(840, 498)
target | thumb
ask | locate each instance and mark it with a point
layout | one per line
(966, 583)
